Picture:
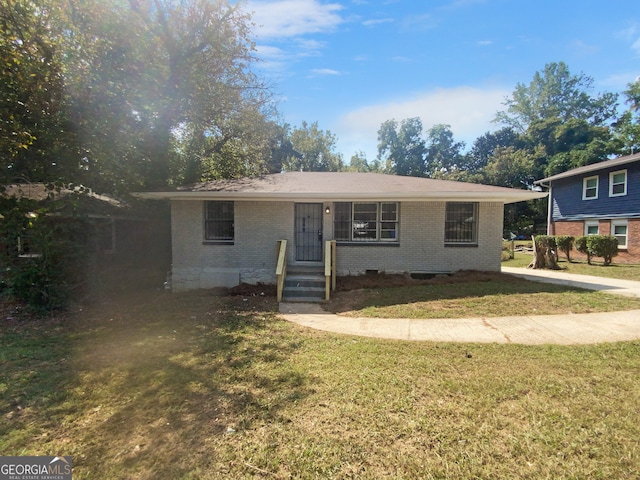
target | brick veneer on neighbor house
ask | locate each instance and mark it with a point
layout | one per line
(630, 255)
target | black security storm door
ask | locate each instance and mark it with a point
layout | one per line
(308, 232)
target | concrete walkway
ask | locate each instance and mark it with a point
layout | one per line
(567, 329)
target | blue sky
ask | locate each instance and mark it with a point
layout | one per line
(352, 64)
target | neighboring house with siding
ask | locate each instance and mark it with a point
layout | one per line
(226, 232)
(602, 198)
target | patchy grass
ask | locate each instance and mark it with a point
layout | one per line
(466, 294)
(196, 386)
(620, 271)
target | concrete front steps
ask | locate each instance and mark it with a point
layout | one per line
(304, 284)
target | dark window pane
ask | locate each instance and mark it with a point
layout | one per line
(219, 221)
(342, 221)
(461, 222)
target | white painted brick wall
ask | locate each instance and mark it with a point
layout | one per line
(259, 225)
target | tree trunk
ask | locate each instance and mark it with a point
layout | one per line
(544, 255)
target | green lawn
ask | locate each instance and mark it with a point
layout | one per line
(194, 386)
(624, 272)
(475, 294)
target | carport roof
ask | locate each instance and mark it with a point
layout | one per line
(343, 186)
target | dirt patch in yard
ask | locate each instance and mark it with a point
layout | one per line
(373, 281)
(384, 280)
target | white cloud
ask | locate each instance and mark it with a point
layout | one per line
(631, 34)
(422, 22)
(618, 81)
(325, 71)
(468, 110)
(377, 21)
(580, 47)
(290, 18)
(278, 60)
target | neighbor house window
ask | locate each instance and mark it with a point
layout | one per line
(26, 248)
(618, 183)
(106, 235)
(218, 221)
(591, 228)
(366, 222)
(619, 230)
(590, 188)
(461, 223)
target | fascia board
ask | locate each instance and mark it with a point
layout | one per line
(508, 197)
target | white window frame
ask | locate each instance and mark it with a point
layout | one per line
(620, 223)
(591, 223)
(612, 184)
(585, 188)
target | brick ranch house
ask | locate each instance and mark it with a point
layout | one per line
(598, 199)
(228, 232)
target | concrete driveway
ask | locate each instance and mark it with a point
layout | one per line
(570, 329)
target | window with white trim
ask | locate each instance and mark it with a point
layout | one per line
(591, 227)
(590, 188)
(218, 221)
(618, 183)
(365, 221)
(461, 223)
(619, 230)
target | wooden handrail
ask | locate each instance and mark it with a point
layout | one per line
(281, 267)
(329, 268)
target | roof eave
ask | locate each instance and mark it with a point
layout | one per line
(616, 162)
(503, 197)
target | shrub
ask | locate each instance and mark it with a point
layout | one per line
(580, 245)
(604, 246)
(565, 244)
(42, 255)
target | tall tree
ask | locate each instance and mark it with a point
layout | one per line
(35, 135)
(443, 153)
(485, 146)
(123, 82)
(358, 163)
(626, 130)
(401, 148)
(316, 149)
(556, 93)
(509, 167)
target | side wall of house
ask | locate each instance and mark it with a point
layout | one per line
(251, 258)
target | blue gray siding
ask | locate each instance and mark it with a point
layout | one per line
(567, 202)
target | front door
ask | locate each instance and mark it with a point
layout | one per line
(308, 227)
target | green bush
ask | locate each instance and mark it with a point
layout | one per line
(565, 244)
(42, 255)
(580, 245)
(604, 246)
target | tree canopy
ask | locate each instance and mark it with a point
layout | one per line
(553, 124)
(116, 94)
(123, 95)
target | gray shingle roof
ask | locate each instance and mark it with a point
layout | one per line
(344, 186)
